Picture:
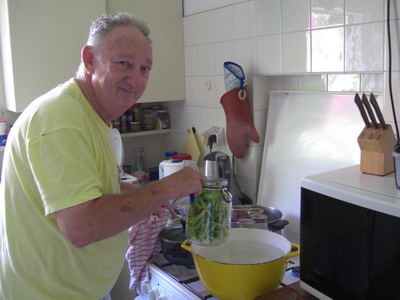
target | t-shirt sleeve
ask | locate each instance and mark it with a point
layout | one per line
(64, 168)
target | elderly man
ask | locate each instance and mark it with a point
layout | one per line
(63, 213)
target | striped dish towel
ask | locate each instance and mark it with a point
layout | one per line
(144, 246)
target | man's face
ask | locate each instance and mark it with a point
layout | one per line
(119, 75)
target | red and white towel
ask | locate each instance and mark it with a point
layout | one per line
(144, 246)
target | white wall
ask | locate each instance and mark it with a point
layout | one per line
(289, 42)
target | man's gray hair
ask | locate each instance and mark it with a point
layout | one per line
(102, 26)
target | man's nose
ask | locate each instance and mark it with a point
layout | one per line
(136, 78)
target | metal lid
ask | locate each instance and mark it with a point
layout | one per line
(215, 183)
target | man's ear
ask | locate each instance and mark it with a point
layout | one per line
(88, 59)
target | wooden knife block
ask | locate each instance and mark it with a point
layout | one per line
(376, 146)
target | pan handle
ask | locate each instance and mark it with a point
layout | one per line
(278, 225)
(295, 252)
(186, 245)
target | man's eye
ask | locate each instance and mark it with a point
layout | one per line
(146, 69)
(124, 65)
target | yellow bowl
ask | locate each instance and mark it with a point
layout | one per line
(250, 263)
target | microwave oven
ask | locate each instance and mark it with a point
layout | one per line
(350, 235)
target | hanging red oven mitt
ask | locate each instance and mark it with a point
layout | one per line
(239, 122)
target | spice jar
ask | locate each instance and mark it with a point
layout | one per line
(208, 216)
(163, 121)
(148, 119)
(135, 126)
(137, 112)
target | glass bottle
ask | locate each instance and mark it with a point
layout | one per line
(208, 216)
(139, 166)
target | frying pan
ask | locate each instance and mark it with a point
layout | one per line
(273, 222)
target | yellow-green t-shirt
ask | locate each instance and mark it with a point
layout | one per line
(58, 154)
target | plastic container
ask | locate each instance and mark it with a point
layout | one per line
(209, 215)
(139, 166)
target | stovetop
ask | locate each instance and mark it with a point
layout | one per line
(188, 277)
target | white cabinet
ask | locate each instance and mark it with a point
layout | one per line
(165, 21)
(41, 44)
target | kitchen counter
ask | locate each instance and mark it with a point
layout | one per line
(290, 292)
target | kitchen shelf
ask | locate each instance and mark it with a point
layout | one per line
(130, 134)
(143, 133)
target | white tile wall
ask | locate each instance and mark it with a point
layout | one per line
(270, 47)
(296, 43)
(244, 20)
(295, 15)
(268, 17)
(327, 13)
(246, 55)
(296, 52)
(364, 47)
(205, 27)
(364, 11)
(223, 21)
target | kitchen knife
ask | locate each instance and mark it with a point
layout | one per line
(378, 111)
(361, 108)
(369, 110)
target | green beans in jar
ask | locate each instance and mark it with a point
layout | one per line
(208, 219)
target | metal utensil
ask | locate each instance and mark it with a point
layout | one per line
(378, 111)
(361, 108)
(369, 110)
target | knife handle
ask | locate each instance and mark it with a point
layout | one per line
(378, 111)
(361, 108)
(369, 110)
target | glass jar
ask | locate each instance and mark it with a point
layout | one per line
(135, 127)
(148, 119)
(137, 112)
(239, 212)
(163, 121)
(208, 216)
